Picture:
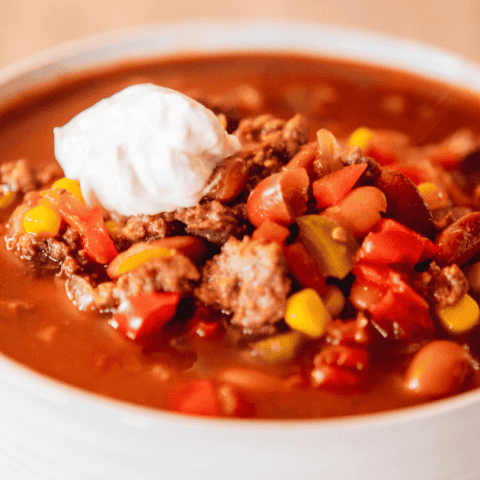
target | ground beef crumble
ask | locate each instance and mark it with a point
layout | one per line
(248, 279)
(269, 143)
(171, 274)
(214, 221)
(149, 227)
(19, 176)
(444, 287)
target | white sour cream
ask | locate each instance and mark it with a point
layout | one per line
(144, 150)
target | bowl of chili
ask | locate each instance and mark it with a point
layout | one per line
(333, 123)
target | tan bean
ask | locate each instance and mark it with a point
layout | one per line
(359, 210)
(362, 297)
(439, 368)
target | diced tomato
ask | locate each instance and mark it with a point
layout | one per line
(392, 243)
(145, 314)
(197, 397)
(332, 187)
(281, 197)
(305, 158)
(304, 267)
(271, 232)
(89, 222)
(415, 173)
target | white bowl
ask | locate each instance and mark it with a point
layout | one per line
(50, 431)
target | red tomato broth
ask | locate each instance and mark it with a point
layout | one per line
(82, 349)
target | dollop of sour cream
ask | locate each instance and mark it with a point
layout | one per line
(144, 150)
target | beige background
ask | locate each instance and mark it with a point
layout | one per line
(27, 26)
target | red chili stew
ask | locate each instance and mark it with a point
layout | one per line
(333, 270)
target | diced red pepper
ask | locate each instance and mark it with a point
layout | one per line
(332, 187)
(197, 397)
(281, 197)
(304, 267)
(145, 314)
(271, 232)
(392, 243)
(89, 222)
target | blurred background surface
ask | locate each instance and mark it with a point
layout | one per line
(28, 26)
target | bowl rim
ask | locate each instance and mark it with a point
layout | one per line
(194, 37)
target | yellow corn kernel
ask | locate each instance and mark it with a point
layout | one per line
(112, 227)
(42, 220)
(71, 186)
(278, 348)
(461, 317)
(6, 199)
(134, 261)
(433, 196)
(306, 312)
(360, 138)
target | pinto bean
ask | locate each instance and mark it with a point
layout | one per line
(359, 210)
(460, 241)
(438, 369)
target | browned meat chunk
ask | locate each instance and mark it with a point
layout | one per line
(49, 174)
(444, 287)
(269, 143)
(18, 176)
(276, 135)
(214, 221)
(35, 248)
(248, 278)
(87, 297)
(171, 274)
(149, 227)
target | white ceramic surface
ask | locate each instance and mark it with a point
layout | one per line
(49, 431)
